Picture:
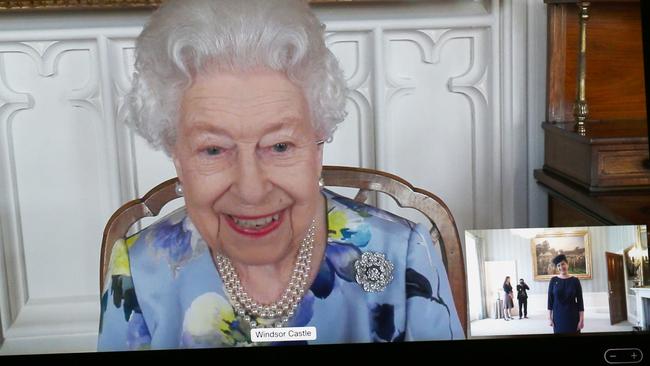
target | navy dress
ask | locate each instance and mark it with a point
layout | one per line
(565, 299)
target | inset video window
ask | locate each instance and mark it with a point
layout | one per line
(567, 280)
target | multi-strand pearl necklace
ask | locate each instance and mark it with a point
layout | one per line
(277, 313)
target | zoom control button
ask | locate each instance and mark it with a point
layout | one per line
(615, 356)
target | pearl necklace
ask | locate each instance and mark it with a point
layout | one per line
(279, 312)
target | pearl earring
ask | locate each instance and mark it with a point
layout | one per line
(321, 183)
(179, 189)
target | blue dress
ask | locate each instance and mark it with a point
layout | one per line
(565, 299)
(163, 291)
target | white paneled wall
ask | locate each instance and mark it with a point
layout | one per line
(438, 96)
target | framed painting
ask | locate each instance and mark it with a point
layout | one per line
(645, 263)
(575, 245)
(630, 266)
(27, 5)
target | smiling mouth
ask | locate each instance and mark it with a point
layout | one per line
(256, 223)
(255, 226)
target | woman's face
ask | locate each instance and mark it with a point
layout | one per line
(248, 159)
(563, 267)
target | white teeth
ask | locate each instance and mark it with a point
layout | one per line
(257, 223)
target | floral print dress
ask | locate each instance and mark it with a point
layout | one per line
(163, 290)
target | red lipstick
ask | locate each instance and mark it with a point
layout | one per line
(255, 232)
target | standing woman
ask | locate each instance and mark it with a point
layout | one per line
(507, 301)
(566, 309)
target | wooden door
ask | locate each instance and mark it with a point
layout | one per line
(616, 288)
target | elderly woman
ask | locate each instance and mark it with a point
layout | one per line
(241, 95)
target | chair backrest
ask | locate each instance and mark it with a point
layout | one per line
(443, 229)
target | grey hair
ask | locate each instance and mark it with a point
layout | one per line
(184, 37)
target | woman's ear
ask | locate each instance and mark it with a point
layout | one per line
(319, 155)
(178, 166)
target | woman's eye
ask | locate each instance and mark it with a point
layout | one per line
(213, 151)
(280, 147)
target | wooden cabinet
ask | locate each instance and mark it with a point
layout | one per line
(609, 156)
(596, 176)
(570, 204)
(614, 84)
(563, 213)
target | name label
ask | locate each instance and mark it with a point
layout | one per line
(283, 334)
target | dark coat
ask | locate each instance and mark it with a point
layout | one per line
(521, 291)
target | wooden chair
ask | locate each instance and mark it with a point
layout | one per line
(366, 180)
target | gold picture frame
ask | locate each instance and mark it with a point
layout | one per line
(644, 267)
(575, 245)
(31, 5)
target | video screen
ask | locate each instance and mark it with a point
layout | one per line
(246, 177)
(556, 280)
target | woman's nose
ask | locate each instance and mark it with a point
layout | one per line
(251, 183)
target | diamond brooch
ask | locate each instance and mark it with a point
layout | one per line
(374, 271)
